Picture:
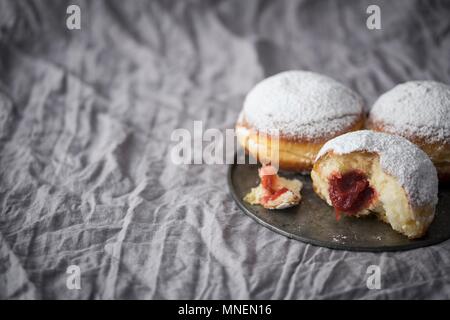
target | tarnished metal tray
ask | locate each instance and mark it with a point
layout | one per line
(313, 221)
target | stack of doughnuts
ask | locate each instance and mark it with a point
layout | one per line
(390, 170)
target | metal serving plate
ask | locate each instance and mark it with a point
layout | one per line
(314, 222)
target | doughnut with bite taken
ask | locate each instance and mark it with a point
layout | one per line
(365, 172)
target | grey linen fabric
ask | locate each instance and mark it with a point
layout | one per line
(86, 116)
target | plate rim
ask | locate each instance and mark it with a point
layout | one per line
(320, 243)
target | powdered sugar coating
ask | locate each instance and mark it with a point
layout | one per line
(302, 104)
(417, 108)
(398, 158)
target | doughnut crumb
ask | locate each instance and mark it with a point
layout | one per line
(274, 192)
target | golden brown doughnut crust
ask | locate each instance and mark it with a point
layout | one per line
(295, 154)
(439, 152)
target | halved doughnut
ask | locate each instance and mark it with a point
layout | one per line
(365, 172)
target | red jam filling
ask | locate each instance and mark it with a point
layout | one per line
(273, 196)
(350, 192)
(268, 182)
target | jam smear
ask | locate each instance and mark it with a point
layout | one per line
(268, 182)
(273, 196)
(350, 192)
(269, 179)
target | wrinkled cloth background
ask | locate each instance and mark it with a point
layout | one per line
(86, 116)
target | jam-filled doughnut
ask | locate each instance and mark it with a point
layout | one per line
(306, 109)
(420, 112)
(366, 172)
